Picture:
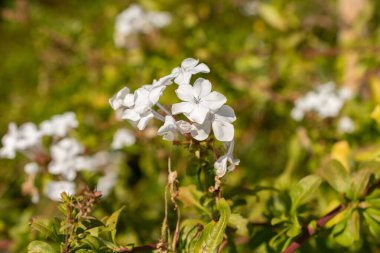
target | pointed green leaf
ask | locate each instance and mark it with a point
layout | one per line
(304, 189)
(213, 233)
(109, 231)
(359, 183)
(337, 176)
(373, 224)
(40, 247)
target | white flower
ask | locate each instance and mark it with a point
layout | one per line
(19, 139)
(135, 20)
(199, 100)
(123, 138)
(66, 158)
(141, 111)
(326, 101)
(346, 125)
(220, 123)
(122, 98)
(106, 183)
(54, 189)
(158, 87)
(59, 125)
(31, 168)
(169, 129)
(188, 68)
(226, 162)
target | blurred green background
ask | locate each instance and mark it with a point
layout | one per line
(59, 56)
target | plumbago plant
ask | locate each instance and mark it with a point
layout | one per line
(338, 203)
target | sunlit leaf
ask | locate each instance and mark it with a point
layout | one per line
(303, 190)
(337, 176)
(40, 247)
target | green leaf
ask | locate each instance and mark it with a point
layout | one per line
(359, 183)
(40, 247)
(190, 196)
(337, 176)
(376, 114)
(272, 16)
(350, 229)
(109, 231)
(373, 224)
(45, 227)
(303, 190)
(213, 233)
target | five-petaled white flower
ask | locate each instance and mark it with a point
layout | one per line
(220, 123)
(199, 100)
(188, 68)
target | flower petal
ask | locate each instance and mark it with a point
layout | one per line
(144, 120)
(226, 114)
(202, 88)
(214, 100)
(223, 131)
(155, 93)
(130, 115)
(189, 63)
(129, 100)
(201, 68)
(220, 166)
(198, 114)
(185, 92)
(200, 132)
(183, 107)
(183, 78)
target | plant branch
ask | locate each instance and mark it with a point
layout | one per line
(308, 231)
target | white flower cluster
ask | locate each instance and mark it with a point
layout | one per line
(205, 109)
(28, 136)
(326, 101)
(64, 158)
(135, 20)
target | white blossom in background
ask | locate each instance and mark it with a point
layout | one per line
(204, 109)
(54, 189)
(59, 125)
(134, 20)
(326, 100)
(19, 139)
(66, 154)
(106, 183)
(250, 8)
(123, 138)
(66, 158)
(346, 125)
(31, 168)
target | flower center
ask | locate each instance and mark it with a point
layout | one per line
(197, 100)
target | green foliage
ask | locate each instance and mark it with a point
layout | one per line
(212, 234)
(59, 56)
